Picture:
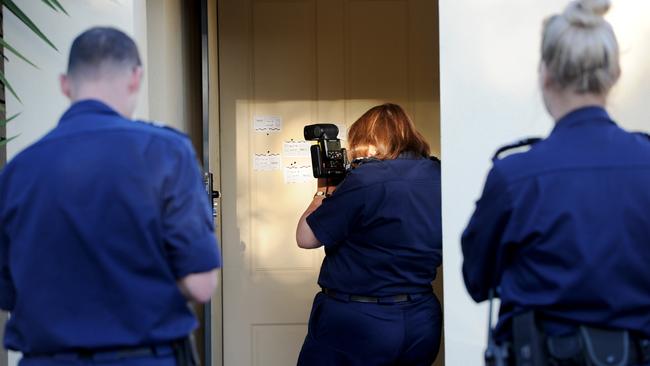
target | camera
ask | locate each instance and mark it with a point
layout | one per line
(328, 159)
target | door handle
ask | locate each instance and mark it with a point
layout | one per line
(213, 195)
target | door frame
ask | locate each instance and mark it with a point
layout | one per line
(210, 146)
(211, 157)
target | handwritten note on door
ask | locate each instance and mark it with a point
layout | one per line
(268, 124)
(296, 149)
(267, 162)
(298, 174)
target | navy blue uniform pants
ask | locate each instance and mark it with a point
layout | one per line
(366, 334)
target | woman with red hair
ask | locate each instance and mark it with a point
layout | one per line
(381, 229)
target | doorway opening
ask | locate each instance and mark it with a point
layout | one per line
(276, 66)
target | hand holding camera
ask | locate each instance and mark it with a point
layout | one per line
(328, 159)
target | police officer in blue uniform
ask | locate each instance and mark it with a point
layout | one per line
(381, 229)
(561, 232)
(106, 231)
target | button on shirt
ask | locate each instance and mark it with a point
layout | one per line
(98, 220)
(382, 229)
(565, 227)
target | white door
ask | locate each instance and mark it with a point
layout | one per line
(284, 64)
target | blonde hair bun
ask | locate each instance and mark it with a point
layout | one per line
(579, 48)
(587, 13)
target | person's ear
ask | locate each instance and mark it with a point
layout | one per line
(546, 80)
(135, 79)
(66, 85)
(618, 75)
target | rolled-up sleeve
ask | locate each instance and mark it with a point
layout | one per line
(188, 228)
(332, 221)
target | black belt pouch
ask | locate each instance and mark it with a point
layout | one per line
(528, 340)
(604, 347)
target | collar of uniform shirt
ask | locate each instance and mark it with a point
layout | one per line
(87, 106)
(583, 115)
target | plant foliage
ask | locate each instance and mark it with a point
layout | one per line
(20, 14)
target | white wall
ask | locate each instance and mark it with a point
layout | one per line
(42, 103)
(169, 89)
(629, 100)
(489, 55)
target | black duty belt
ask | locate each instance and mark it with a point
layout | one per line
(638, 354)
(394, 299)
(586, 345)
(110, 354)
(636, 350)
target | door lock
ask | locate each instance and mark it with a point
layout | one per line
(213, 195)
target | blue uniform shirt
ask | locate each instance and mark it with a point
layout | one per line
(382, 229)
(564, 228)
(97, 222)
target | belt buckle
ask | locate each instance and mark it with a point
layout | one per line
(365, 299)
(402, 298)
(395, 299)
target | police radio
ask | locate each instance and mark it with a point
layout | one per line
(328, 158)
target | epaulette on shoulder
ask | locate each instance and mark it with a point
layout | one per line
(519, 146)
(174, 130)
(435, 158)
(163, 126)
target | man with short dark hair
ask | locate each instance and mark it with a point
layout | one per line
(106, 231)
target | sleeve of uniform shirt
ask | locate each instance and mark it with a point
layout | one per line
(482, 237)
(7, 291)
(331, 222)
(188, 228)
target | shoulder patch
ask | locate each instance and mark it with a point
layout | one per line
(519, 146)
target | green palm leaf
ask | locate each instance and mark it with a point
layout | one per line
(15, 52)
(58, 5)
(13, 8)
(4, 122)
(28, 22)
(55, 5)
(4, 141)
(48, 3)
(4, 81)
